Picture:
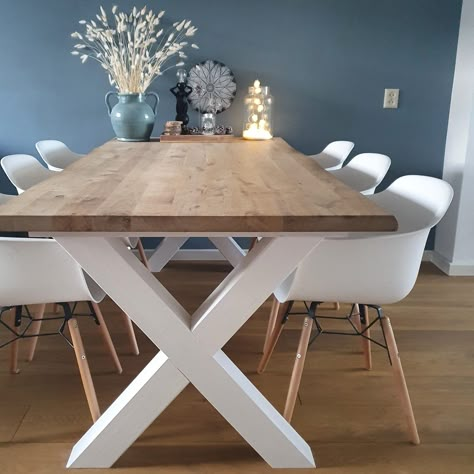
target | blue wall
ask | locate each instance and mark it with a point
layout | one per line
(327, 62)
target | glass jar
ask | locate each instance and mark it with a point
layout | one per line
(208, 124)
(258, 109)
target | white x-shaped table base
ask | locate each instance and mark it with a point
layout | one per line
(170, 246)
(190, 349)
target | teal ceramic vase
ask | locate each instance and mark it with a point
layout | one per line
(132, 117)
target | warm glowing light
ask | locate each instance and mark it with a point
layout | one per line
(258, 119)
(257, 134)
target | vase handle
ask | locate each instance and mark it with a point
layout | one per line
(107, 100)
(157, 99)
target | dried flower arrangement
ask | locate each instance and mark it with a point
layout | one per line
(133, 48)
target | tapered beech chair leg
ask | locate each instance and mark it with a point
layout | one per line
(35, 328)
(356, 317)
(274, 336)
(298, 369)
(14, 350)
(84, 370)
(271, 322)
(366, 344)
(400, 380)
(15, 345)
(106, 337)
(131, 334)
(142, 254)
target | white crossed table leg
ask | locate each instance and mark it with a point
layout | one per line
(170, 246)
(190, 349)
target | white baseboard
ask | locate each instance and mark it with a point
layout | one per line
(213, 255)
(451, 268)
(199, 255)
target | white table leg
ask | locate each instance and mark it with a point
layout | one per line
(125, 420)
(230, 249)
(167, 249)
(193, 347)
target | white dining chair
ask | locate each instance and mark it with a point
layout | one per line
(29, 167)
(37, 272)
(334, 155)
(390, 264)
(57, 155)
(24, 171)
(364, 172)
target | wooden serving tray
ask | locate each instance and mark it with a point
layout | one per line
(199, 138)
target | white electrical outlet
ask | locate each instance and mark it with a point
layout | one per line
(392, 96)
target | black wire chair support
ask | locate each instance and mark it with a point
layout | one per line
(311, 311)
(22, 313)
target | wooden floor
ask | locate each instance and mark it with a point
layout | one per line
(350, 417)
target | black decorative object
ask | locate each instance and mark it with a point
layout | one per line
(220, 130)
(229, 131)
(213, 85)
(182, 91)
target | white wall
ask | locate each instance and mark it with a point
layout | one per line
(454, 246)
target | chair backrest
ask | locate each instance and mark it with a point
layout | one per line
(36, 271)
(5, 198)
(56, 154)
(374, 268)
(364, 172)
(340, 150)
(24, 171)
(334, 155)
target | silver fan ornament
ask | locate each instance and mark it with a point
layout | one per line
(213, 85)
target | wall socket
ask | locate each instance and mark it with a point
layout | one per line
(391, 99)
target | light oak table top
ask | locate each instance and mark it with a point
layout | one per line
(239, 187)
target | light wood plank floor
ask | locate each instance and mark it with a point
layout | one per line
(350, 417)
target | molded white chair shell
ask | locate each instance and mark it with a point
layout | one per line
(56, 154)
(372, 269)
(24, 171)
(40, 271)
(390, 262)
(364, 172)
(5, 198)
(334, 155)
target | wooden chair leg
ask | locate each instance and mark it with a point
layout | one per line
(274, 336)
(142, 254)
(400, 380)
(271, 322)
(14, 350)
(366, 344)
(14, 347)
(84, 370)
(106, 337)
(55, 308)
(35, 328)
(131, 334)
(298, 369)
(356, 318)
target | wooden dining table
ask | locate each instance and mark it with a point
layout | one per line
(177, 191)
